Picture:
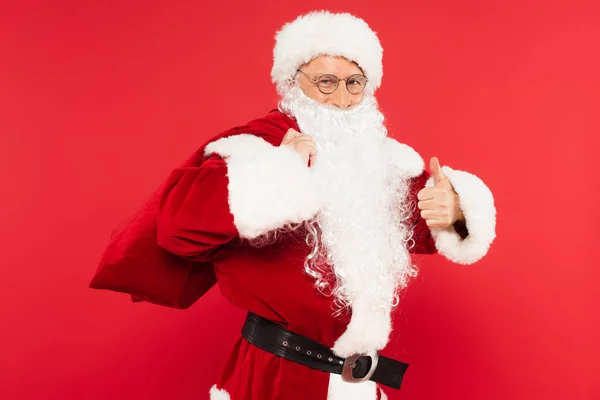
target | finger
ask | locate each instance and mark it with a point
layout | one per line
(303, 138)
(436, 223)
(312, 158)
(434, 214)
(427, 204)
(436, 170)
(427, 215)
(427, 193)
(433, 193)
(306, 149)
(306, 145)
(305, 153)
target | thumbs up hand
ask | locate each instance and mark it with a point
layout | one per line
(440, 204)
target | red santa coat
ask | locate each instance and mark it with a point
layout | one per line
(247, 185)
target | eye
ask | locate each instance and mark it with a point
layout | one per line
(357, 80)
(326, 81)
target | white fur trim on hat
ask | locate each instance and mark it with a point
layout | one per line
(325, 33)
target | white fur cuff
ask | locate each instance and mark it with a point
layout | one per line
(477, 205)
(269, 186)
(218, 394)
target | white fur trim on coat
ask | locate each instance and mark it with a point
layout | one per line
(382, 395)
(340, 390)
(325, 33)
(477, 205)
(407, 162)
(218, 394)
(269, 186)
(369, 329)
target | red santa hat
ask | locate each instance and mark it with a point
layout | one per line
(324, 33)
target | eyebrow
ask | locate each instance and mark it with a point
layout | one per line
(328, 73)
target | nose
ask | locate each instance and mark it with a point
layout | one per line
(341, 97)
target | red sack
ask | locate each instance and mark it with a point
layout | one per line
(134, 263)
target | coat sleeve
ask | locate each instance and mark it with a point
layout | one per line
(269, 187)
(194, 221)
(247, 187)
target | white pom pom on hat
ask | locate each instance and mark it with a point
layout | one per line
(325, 33)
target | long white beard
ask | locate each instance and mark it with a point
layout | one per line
(363, 238)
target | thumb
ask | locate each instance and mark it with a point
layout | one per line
(436, 170)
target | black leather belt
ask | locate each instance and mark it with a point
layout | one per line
(273, 338)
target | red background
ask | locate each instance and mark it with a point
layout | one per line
(100, 99)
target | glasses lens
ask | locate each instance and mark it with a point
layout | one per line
(327, 83)
(356, 83)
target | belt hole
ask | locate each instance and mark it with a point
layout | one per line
(285, 344)
(297, 348)
(309, 352)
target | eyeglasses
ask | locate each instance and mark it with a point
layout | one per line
(328, 83)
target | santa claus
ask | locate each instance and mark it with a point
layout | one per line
(307, 219)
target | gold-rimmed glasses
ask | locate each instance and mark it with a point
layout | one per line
(328, 83)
